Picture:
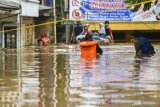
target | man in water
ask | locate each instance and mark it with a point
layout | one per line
(108, 32)
(141, 44)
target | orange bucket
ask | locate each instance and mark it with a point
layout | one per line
(88, 49)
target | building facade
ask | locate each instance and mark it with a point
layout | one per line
(17, 20)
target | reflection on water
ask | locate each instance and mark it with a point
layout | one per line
(58, 77)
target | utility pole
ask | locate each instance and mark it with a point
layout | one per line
(54, 16)
(67, 16)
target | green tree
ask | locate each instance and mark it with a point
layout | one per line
(60, 9)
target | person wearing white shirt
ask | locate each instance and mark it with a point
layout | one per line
(101, 31)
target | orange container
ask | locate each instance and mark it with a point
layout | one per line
(88, 49)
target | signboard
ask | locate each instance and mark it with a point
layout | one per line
(30, 9)
(111, 10)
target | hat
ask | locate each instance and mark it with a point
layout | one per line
(101, 24)
(87, 25)
(43, 34)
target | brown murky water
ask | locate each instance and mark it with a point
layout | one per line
(58, 77)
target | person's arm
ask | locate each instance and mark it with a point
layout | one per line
(99, 50)
(111, 35)
(137, 48)
(110, 32)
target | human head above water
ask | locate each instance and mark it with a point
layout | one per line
(101, 24)
(86, 26)
(88, 37)
(43, 35)
(106, 23)
(78, 22)
(136, 33)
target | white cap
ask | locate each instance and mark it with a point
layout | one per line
(101, 24)
(87, 24)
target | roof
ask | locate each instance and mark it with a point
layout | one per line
(8, 5)
(8, 8)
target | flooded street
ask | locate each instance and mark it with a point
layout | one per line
(58, 77)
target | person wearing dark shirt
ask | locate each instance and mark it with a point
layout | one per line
(141, 44)
(108, 32)
(78, 28)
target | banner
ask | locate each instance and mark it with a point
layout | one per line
(111, 10)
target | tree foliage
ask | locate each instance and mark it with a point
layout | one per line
(60, 9)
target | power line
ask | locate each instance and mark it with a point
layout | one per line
(47, 23)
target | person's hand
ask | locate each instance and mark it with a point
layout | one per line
(98, 55)
(138, 54)
(112, 41)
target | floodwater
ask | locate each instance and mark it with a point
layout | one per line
(58, 77)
